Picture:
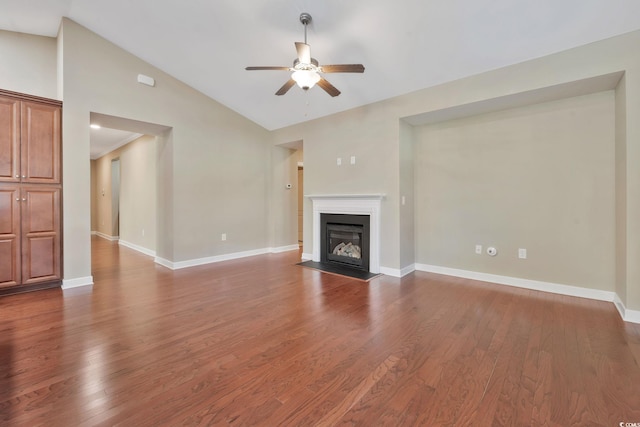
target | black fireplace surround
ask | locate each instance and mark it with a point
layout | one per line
(344, 240)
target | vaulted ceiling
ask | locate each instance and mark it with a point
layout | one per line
(404, 45)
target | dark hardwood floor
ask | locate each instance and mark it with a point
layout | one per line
(262, 341)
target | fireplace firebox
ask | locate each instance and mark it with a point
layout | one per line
(344, 240)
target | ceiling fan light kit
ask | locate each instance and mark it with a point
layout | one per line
(306, 79)
(306, 70)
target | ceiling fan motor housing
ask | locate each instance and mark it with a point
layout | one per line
(302, 66)
(305, 18)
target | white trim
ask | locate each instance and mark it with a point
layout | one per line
(93, 233)
(350, 204)
(224, 257)
(284, 249)
(555, 288)
(77, 282)
(632, 316)
(140, 249)
(372, 196)
(106, 236)
(394, 272)
(407, 270)
(619, 305)
(306, 257)
(164, 262)
(210, 260)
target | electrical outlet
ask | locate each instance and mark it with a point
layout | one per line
(353, 160)
(338, 161)
(479, 249)
(522, 253)
(223, 237)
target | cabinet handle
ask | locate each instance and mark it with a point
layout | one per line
(17, 199)
(24, 199)
(24, 176)
(17, 176)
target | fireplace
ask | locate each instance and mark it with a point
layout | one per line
(350, 205)
(344, 240)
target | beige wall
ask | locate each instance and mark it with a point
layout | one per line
(29, 64)
(217, 161)
(138, 202)
(539, 177)
(621, 189)
(282, 221)
(372, 133)
(407, 217)
(102, 196)
(138, 193)
(94, 196)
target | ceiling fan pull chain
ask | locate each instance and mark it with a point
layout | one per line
(307, 103)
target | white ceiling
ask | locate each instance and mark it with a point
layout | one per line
(114, 132)
(405, 45)
(105, 140)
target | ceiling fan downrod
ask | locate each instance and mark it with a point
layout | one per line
(305, 18)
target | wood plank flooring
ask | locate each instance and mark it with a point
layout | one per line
(262, 341)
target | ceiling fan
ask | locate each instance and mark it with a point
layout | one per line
(307, 70)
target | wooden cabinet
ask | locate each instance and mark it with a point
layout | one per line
(10, 264)
(30, 192)
(9, 139)
(29, 141)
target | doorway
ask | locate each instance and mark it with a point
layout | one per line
(126, 176)
(300, 202)
(115, 197)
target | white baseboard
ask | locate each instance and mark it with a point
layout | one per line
(106, 236)
(394, 272)
(306, 257)
(209, 260)
(284, 249)
(164, 262)
(77, 282)
(407, 270)
(632, 316)
(137, 248)
(556, 288)
(224, 257)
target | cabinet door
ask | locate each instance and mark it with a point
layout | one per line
(40, 210)
(40, 143)
(9, 139)
(9, 235)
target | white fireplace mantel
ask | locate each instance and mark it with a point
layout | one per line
(376, 196)
(350, 204)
